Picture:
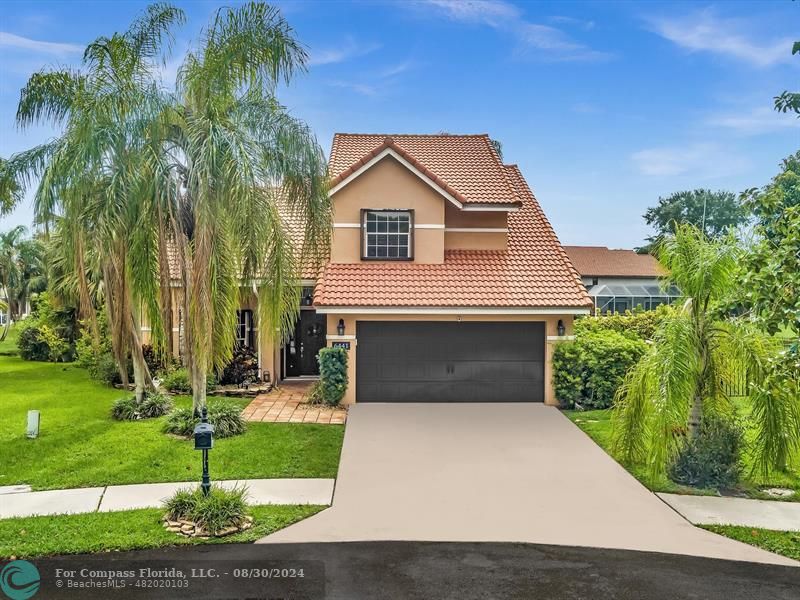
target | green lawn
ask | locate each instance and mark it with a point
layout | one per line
(597, 425)
(786, 543)
(30, 537)
(80, 446)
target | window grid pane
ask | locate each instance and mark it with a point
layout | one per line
(387, 234)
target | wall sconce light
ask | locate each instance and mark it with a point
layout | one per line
(307, 300)
(560, 328)
(340, 327)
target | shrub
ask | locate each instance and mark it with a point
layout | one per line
(315, 393)
(177, 381)
(49, 333)
(712, 458)
(30, 343)
(213, 513)
(226, 417)
(105, 370)
(589, 370)
(154, 404)
(332, 374)
(242, 368)
(637, 324)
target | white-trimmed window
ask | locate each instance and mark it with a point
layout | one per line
(387, 234)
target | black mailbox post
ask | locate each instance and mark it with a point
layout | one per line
(204, 440)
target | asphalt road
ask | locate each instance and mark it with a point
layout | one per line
(438, 570)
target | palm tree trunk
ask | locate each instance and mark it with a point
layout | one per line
(198, 373)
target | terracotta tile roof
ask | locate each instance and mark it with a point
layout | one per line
(597, 261)
(466, 166)
(533, 272)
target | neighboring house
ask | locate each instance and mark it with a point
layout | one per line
(446, 282)
(620, 280)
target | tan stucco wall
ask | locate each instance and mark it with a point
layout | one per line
(462, 240)
(389, 185)
(551, 324)
(455, 217)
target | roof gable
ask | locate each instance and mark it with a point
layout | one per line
(464, 168)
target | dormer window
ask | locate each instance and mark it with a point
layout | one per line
(387, 234)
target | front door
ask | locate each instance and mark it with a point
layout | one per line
(305, 344)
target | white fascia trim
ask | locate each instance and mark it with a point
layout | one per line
(336, 338)
(389, 152)
(308, 282)
(477, 229)
(437, 310)
(416, 226)
(491, 207)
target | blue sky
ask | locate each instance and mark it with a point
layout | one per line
(604, 105)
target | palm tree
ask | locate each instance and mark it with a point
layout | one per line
(695, 356)
(10, 271)
(90, 175)
(231, 157)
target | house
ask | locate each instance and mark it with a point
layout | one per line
(446, 282)
(620, 280)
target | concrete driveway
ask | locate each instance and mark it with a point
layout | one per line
(495, 472)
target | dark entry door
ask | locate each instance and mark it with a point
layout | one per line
(449, 362)
(305, 344)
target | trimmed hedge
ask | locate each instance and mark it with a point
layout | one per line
(639, 324)
(332, 374)
(589, 370)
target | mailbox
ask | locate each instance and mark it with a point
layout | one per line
(203, 436)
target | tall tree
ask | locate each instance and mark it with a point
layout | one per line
(696, 353)
(712, 212)
(233, 165)
(10, 270)
(90, 176)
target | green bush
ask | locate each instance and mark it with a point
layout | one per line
(213, 513)
(712, 458)
(154, 404)
(638, 324)
(589, 370)
(177, 381)
(332, 374)
(243, 368)
(30, 343)
(49, 333)
(226, 417)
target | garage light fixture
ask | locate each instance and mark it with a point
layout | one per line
(340, 327)
(560, 328)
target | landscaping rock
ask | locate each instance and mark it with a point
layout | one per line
(174, 529)
(779, 492)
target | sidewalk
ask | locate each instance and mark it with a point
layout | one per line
(715, 510)
(151, 495)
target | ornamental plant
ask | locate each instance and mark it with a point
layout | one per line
(332, 374)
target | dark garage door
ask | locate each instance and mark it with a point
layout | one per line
(402, 361)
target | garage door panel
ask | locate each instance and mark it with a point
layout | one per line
(450, 362)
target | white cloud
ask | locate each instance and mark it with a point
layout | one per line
(348, 49)
(488, 12)
(701, 160)
(10, 40)
(534, 39)
(756, 121)
(706, 32)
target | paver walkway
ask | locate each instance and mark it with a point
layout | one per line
(288, 403)
(151, 495)
(714, 510)
(495, 472)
